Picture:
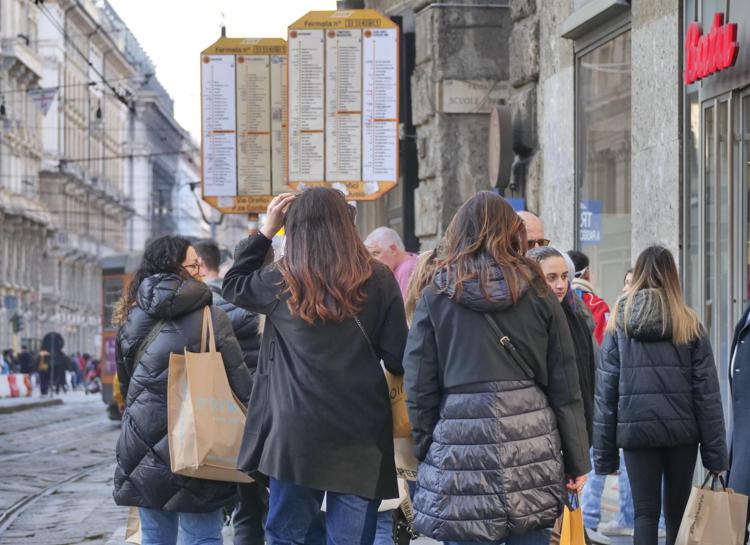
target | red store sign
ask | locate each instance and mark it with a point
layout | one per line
(706, 54)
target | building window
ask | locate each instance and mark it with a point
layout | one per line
(603, 160)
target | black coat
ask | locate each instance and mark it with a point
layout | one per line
(244, 324)
(739, 473)
(493, 445)
(651, 392)
(320, 415)
(143, 476)
(583, 342)
(26, 362)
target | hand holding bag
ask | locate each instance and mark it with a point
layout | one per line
(571, 529)
(713, 517)
(205, 420)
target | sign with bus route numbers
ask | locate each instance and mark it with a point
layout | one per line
(243, 114)
(343, 102)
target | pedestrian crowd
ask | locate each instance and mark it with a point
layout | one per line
(523, 388)
(51, 369)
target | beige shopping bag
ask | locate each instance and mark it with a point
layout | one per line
(406, 463)
(401, 425)
(133, 529)
(205, 420)
(713, 517)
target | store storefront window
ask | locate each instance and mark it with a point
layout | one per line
(603, 155)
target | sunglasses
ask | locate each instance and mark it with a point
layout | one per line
(538, 242)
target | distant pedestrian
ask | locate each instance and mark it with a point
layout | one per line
(385, 245)
(739, 381)
(55, 360)
(166, 298)
(25, 361)
(492, 388)
(585, 289)
(5, 363)
(250, 512)
(657, 396)
(319, 418)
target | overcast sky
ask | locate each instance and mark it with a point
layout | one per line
(174, 32)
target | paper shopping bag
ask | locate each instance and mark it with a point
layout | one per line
(571, 529)
(401, 425)
(205, 420)
(133, 529)
(713, 517)
(406, 462)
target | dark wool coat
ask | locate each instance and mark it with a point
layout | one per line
(320, 414)
(493, 444)
(739, 474)
(651, 392)
(143, 476)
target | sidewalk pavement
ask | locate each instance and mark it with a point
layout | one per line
(15, 404)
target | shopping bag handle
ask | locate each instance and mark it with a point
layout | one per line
(208, 331)
(716, 477)
(573, 501)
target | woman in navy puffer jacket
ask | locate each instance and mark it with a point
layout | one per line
(657, 396)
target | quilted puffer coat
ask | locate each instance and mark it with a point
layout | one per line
(244, 323)
(651, 392)
(493, 445)
(143, 477)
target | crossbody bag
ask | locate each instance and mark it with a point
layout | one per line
(506, 343)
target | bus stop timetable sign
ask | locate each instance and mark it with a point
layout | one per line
(243, 115)
(343, 75)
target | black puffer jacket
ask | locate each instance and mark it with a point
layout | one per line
(651, 392)
(493, 445)
(143, 477)
(244, 324)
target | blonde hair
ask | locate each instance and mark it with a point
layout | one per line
(656, 271)
(421, 277)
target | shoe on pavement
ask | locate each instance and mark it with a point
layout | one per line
(596, 537)
(612, 528)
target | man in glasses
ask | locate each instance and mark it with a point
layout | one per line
(534, 229)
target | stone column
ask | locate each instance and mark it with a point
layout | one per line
(461, 44)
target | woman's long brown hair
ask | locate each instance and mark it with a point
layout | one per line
(486, 232)
(325, 264)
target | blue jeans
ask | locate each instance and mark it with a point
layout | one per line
(384, 532)
(591, 501)
(537, 537)
(161, 527)
(294, 517)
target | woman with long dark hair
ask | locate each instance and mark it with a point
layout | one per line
(161, 313)
(492, 388)
(657, 396)
(319, 418)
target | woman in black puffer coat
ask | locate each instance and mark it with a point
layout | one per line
(657, 396)
(167, 292)
(495, 437)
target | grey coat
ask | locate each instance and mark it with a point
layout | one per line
(494, 446)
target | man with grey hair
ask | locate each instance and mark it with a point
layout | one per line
(385, 245)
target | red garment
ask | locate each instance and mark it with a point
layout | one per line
(600, 309)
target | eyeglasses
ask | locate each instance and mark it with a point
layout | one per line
(193, 268)
(538, 242)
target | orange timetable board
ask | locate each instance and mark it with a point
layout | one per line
(343, 109)
(243, 115)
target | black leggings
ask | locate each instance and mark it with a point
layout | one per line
(646, 468)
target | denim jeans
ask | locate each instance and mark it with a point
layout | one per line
(294, 517)
(591, 501)
(384, 531)
(161, 527)
(537, 537)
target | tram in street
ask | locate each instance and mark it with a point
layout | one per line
(117, 271)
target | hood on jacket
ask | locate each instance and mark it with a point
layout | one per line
(648, 319)
(583, 285)
(168, 295)
(495, 297)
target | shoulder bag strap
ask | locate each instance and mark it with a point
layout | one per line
(158, 326)
(367, 338)
(505, 341)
